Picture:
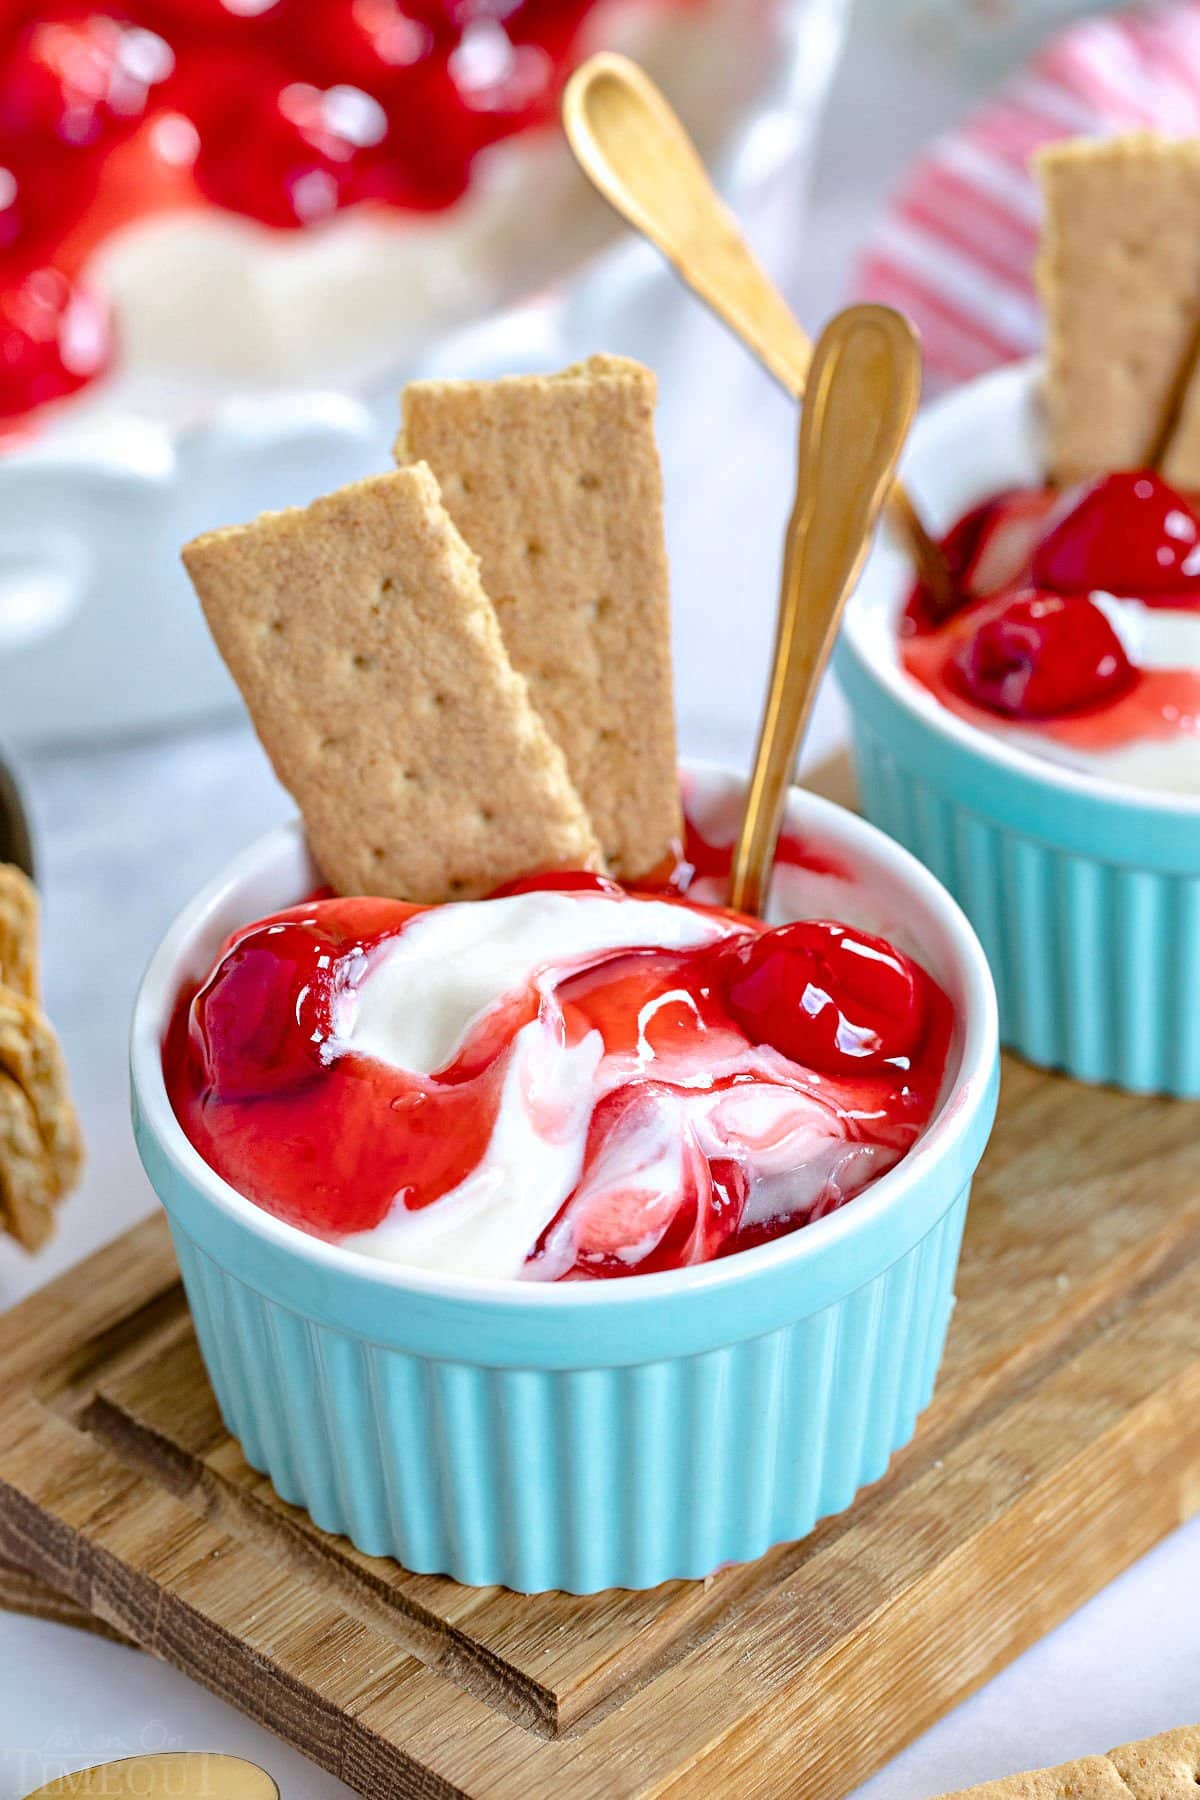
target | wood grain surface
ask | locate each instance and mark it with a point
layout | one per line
(21, 1592)
(1063, 1441)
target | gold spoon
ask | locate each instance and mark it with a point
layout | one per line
(634, 149)
(863, 388)
(181, 1775)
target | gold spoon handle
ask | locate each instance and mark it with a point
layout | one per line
(863, 389)
(634, 149)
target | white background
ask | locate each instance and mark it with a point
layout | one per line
(128, 833)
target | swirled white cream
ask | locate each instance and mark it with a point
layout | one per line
(463, 960)
(421, 993)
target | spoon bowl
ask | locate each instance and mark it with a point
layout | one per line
(636, 152)
(174, 1775)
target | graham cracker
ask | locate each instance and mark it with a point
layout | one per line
(1166, 1767)
(30, 1056)
(555, 482)
(19, 931)
(1091, 1778)
(1119, 274)
(27, 1185)
(370, 658)
(1162, 1767)
(41, 1146)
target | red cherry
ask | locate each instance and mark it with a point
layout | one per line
(828, 997)
(42, 195)
(218, 92)
(261, 1021)
(511, 84)
(232, 20)
(1129, 533)
(74, 76)
(559, 881)
(449, 15)
(54, 337)
(424, 163)
(288, 155)
(552, 24)
(1038, 656)
(14, 212)
(373, 44)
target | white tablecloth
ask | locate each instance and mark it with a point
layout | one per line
(128, 832)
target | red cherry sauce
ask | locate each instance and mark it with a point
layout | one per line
(283, 111)
(834, 1022)
(1026, 642)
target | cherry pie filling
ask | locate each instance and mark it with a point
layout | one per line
(285, 112)
(1029, 635)
(711, 1064)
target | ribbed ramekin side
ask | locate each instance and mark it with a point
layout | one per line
(1094, 959)
(581, 1479)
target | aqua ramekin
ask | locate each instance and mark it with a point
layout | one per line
(1085, 894)
(585, 1436)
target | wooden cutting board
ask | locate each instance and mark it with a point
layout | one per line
(21, 1592)
(1064, 1440)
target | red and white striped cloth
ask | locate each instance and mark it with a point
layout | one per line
(957, 245)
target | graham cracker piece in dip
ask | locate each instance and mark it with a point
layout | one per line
(1119, 274)
(555, 483)
(370, 658)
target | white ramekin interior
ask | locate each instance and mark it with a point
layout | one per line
(978, 441)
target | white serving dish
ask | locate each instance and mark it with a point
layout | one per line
(99, 631)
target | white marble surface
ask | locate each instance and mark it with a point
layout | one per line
(128, 831)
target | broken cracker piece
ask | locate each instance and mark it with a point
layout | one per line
(27, 1186)
(554, 481)
(41, 1146)
(19, 932)
(30, 1056)
(1119, 274)
(1162, 1767)
(1090, 1778)
(1157, 1768)
(370, 658)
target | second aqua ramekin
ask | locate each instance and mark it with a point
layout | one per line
(1085, 894)
(583, 1435)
